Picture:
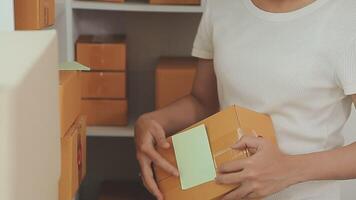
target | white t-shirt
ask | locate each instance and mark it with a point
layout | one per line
(298, 67)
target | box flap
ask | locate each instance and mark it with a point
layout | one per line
(254, 123)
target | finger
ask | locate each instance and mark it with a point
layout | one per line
(232, 166)
(252, 196)
(247, 142)
(240, 193)
(230, 179)
(161, 162)
(149, 181)
(145, 184)
(160, 137)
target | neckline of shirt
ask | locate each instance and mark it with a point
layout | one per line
(286, 15)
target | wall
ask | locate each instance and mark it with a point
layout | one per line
(6, 15)
(61, 29)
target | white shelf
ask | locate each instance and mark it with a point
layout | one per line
(97, 131)
(135, 6)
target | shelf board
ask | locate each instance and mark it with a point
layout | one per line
(135, 6)
(102, 131)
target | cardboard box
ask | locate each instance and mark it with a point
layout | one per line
(70, 98)
(82, 148)
(102, 53)
(111, 190)
(174, 79)
(69, 181)
(34, 14)
(73, 162)
(105, 112)
(222, 133)
(104, 85)
(176, 2)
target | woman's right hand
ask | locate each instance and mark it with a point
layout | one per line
(149, 133)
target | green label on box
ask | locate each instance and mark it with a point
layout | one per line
(73, 66)
(194, 158)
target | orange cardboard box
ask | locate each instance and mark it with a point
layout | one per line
(105, 112)
(102, 53)
(176, 2)
(73, 160)
(34, 14)
(222, 129)
(82, 148)
(174, 79)
(70, 98)
(104, 85)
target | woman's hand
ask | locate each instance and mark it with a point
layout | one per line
(267, 171)
(149, 133)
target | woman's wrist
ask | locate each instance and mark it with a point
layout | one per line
(299, 168)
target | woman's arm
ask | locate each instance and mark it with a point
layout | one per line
(202, 102)
(151, 128)
(269, 171)
(335, 164)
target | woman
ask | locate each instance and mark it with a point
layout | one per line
(294, 60)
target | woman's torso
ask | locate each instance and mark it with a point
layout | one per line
(286, 65)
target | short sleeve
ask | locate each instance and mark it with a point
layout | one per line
(203, 44)
(346, 71)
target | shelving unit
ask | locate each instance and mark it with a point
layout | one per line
(98, 131)
(75, 17)
(152, 31)
(130, 6)
(134, 6)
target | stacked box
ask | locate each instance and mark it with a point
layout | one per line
(34, 14)
(174, 79)
(70, 99)
(73, 135)
(104, 98)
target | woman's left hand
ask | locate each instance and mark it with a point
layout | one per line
(266, 172)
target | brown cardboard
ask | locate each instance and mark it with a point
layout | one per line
(69, 182)
(176, 2)
(102, 53)
(222, 133)
(174, 79)
(104, 85)
(73, 160)
(105, 112)
(34, 14)
(70, 98)
(82, 148)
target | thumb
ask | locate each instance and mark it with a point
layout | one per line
(160, 137)
(251, 143)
